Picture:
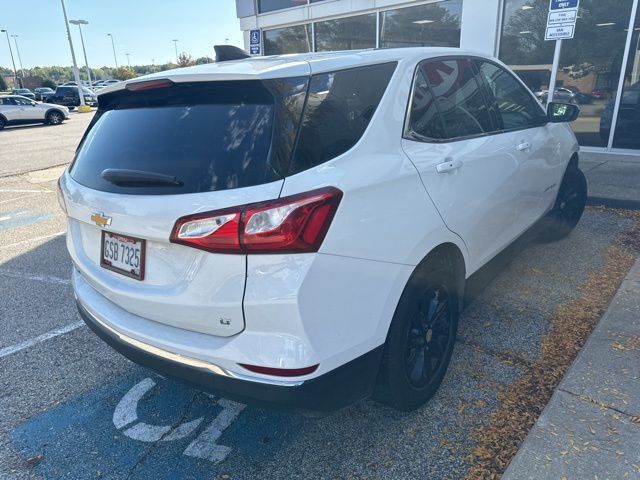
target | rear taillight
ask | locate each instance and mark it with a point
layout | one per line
(294, 224)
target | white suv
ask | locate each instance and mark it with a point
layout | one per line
(17, 110)
(297, 231)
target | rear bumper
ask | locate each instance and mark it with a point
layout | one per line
(329, 392)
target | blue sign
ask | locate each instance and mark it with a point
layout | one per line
(255, 38)
(563, 4)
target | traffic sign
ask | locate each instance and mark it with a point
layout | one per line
(561, 20)
(255, 39)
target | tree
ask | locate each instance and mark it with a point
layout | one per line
(47, 82)
(203, 60)
(122, 73)
(185, 60)
(3, 84)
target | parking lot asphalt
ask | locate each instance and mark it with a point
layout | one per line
(25, 148)
(73, 408)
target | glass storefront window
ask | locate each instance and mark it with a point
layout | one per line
(348, 33)
(590, 63)
(296, 39)
(265, 6)
(430, 25)
(627, 134)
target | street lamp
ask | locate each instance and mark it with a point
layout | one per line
(128, 62)
(15, 41)
(79, 23)
(175, 45)
(15, 72)
(113, 45)
(73, 57)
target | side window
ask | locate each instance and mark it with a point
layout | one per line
(338, 109)
(22, 101)
(424, 117)
(516, 105)
(458, 97)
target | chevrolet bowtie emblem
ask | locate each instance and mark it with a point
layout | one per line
(100, 220)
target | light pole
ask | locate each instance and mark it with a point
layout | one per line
(15, 41)
(15, 72)
(175, 45)
(79, 23)
(73, 56)
(128, 62)
(113, 45)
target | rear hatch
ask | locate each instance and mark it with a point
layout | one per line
(162, 151)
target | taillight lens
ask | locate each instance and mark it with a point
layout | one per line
(292, 224)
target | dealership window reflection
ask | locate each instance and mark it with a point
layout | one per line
(590, 63)
(431, 25)
(348, 33)
(279, 41)
(627, 133)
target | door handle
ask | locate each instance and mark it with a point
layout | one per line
(448, 166)
(523, 147)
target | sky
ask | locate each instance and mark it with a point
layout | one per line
(143, 28)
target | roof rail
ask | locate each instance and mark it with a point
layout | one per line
(224, 53)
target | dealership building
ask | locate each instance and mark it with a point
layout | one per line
(599, 69)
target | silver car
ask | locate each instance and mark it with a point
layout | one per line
(16, 110)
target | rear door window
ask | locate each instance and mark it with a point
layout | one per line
(208, 136)
(459, 101)
(338, 109)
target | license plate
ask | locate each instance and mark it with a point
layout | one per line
(123, 254)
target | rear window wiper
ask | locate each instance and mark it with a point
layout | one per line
(141, 178)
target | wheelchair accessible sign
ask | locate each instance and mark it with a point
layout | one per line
(561, 21)
(255, 38)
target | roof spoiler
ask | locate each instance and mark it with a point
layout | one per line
(224, 53)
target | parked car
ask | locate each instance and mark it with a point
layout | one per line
(16, 110)
(560, 95)
(297, 231)
(42, 92)
(23, 92)
(68, 96)
(627, 134)
(581, 97)
(600, 93)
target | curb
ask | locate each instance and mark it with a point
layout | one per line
(614, 203)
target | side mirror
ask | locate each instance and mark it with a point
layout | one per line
(562, 112)
(34, 103)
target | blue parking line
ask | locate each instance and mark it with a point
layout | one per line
(20, 218)
(79, 439)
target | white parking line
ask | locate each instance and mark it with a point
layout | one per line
(2, 190)
(6, 351)
(37, 278)
(43, 237)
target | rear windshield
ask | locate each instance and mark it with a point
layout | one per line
(202, 137)
(212, 136)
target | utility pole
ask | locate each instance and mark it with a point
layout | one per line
(128, 62)
(175, 45)
(113, 45)
(15, 72)
(79, 23)
(73, 56)
(15, 41)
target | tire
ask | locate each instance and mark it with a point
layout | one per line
(569, 206)
(54, 118)
(3, 122)
(424, 327)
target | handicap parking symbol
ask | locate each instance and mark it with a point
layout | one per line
(204, 446)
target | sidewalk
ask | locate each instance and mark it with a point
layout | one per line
(614, 180)
(591, 427)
